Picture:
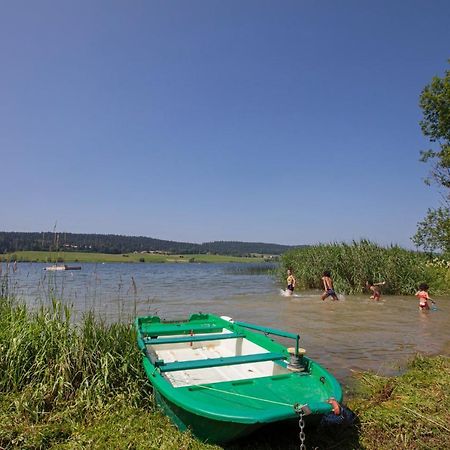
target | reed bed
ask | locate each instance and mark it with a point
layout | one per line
(266, 268)
(352, 265)
(66, 385)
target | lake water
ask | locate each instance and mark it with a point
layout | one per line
(350, 335)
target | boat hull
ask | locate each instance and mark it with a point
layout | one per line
(223, 381)
(205, 429)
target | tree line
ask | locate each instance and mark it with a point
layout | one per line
(115, 244)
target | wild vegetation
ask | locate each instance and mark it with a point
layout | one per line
(352, 265)
(411, 411)
(433, 232)
(75, 386)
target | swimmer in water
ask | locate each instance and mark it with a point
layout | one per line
(375, 289)
(424, 298)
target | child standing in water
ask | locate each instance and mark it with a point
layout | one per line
(328, 286)
(375, 289)
(424, 298)
(290, 282)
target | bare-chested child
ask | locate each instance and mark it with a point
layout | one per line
(375, 289)
(290, 282)
(328, 286)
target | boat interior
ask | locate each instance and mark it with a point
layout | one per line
(212, 357)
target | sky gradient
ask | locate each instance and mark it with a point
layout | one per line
(293, 122)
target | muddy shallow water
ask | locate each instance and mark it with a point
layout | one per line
(352, 334)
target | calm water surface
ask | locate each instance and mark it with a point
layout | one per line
(353, 334)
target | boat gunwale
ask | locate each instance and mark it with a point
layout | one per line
(182, 396)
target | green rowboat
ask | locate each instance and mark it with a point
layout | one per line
(223, 379)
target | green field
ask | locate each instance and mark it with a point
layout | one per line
(70, 257)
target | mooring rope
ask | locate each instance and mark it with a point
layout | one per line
(246, 396)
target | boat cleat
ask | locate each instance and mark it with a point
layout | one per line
(295, 361)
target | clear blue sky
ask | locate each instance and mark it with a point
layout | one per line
(293, 122)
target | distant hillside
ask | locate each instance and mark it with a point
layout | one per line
(243, 248)
(112, 243)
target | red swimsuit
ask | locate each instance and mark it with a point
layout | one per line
(423, 299)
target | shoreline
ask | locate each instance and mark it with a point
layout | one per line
(82, 257)
(103, 400)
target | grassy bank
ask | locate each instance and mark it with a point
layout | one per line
(74, 387)
(83, 257)
(352, 265)
(66, 386)
(411, 411)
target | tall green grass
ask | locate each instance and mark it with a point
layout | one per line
(65, 384)
(51, 360)
(266, 268)
(352, 265)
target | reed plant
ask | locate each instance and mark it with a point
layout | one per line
(51, 360)
(266, 268)
(353, 264)
(62, 382)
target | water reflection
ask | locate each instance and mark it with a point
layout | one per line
(352, 334)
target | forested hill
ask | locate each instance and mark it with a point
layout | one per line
(111, 243)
